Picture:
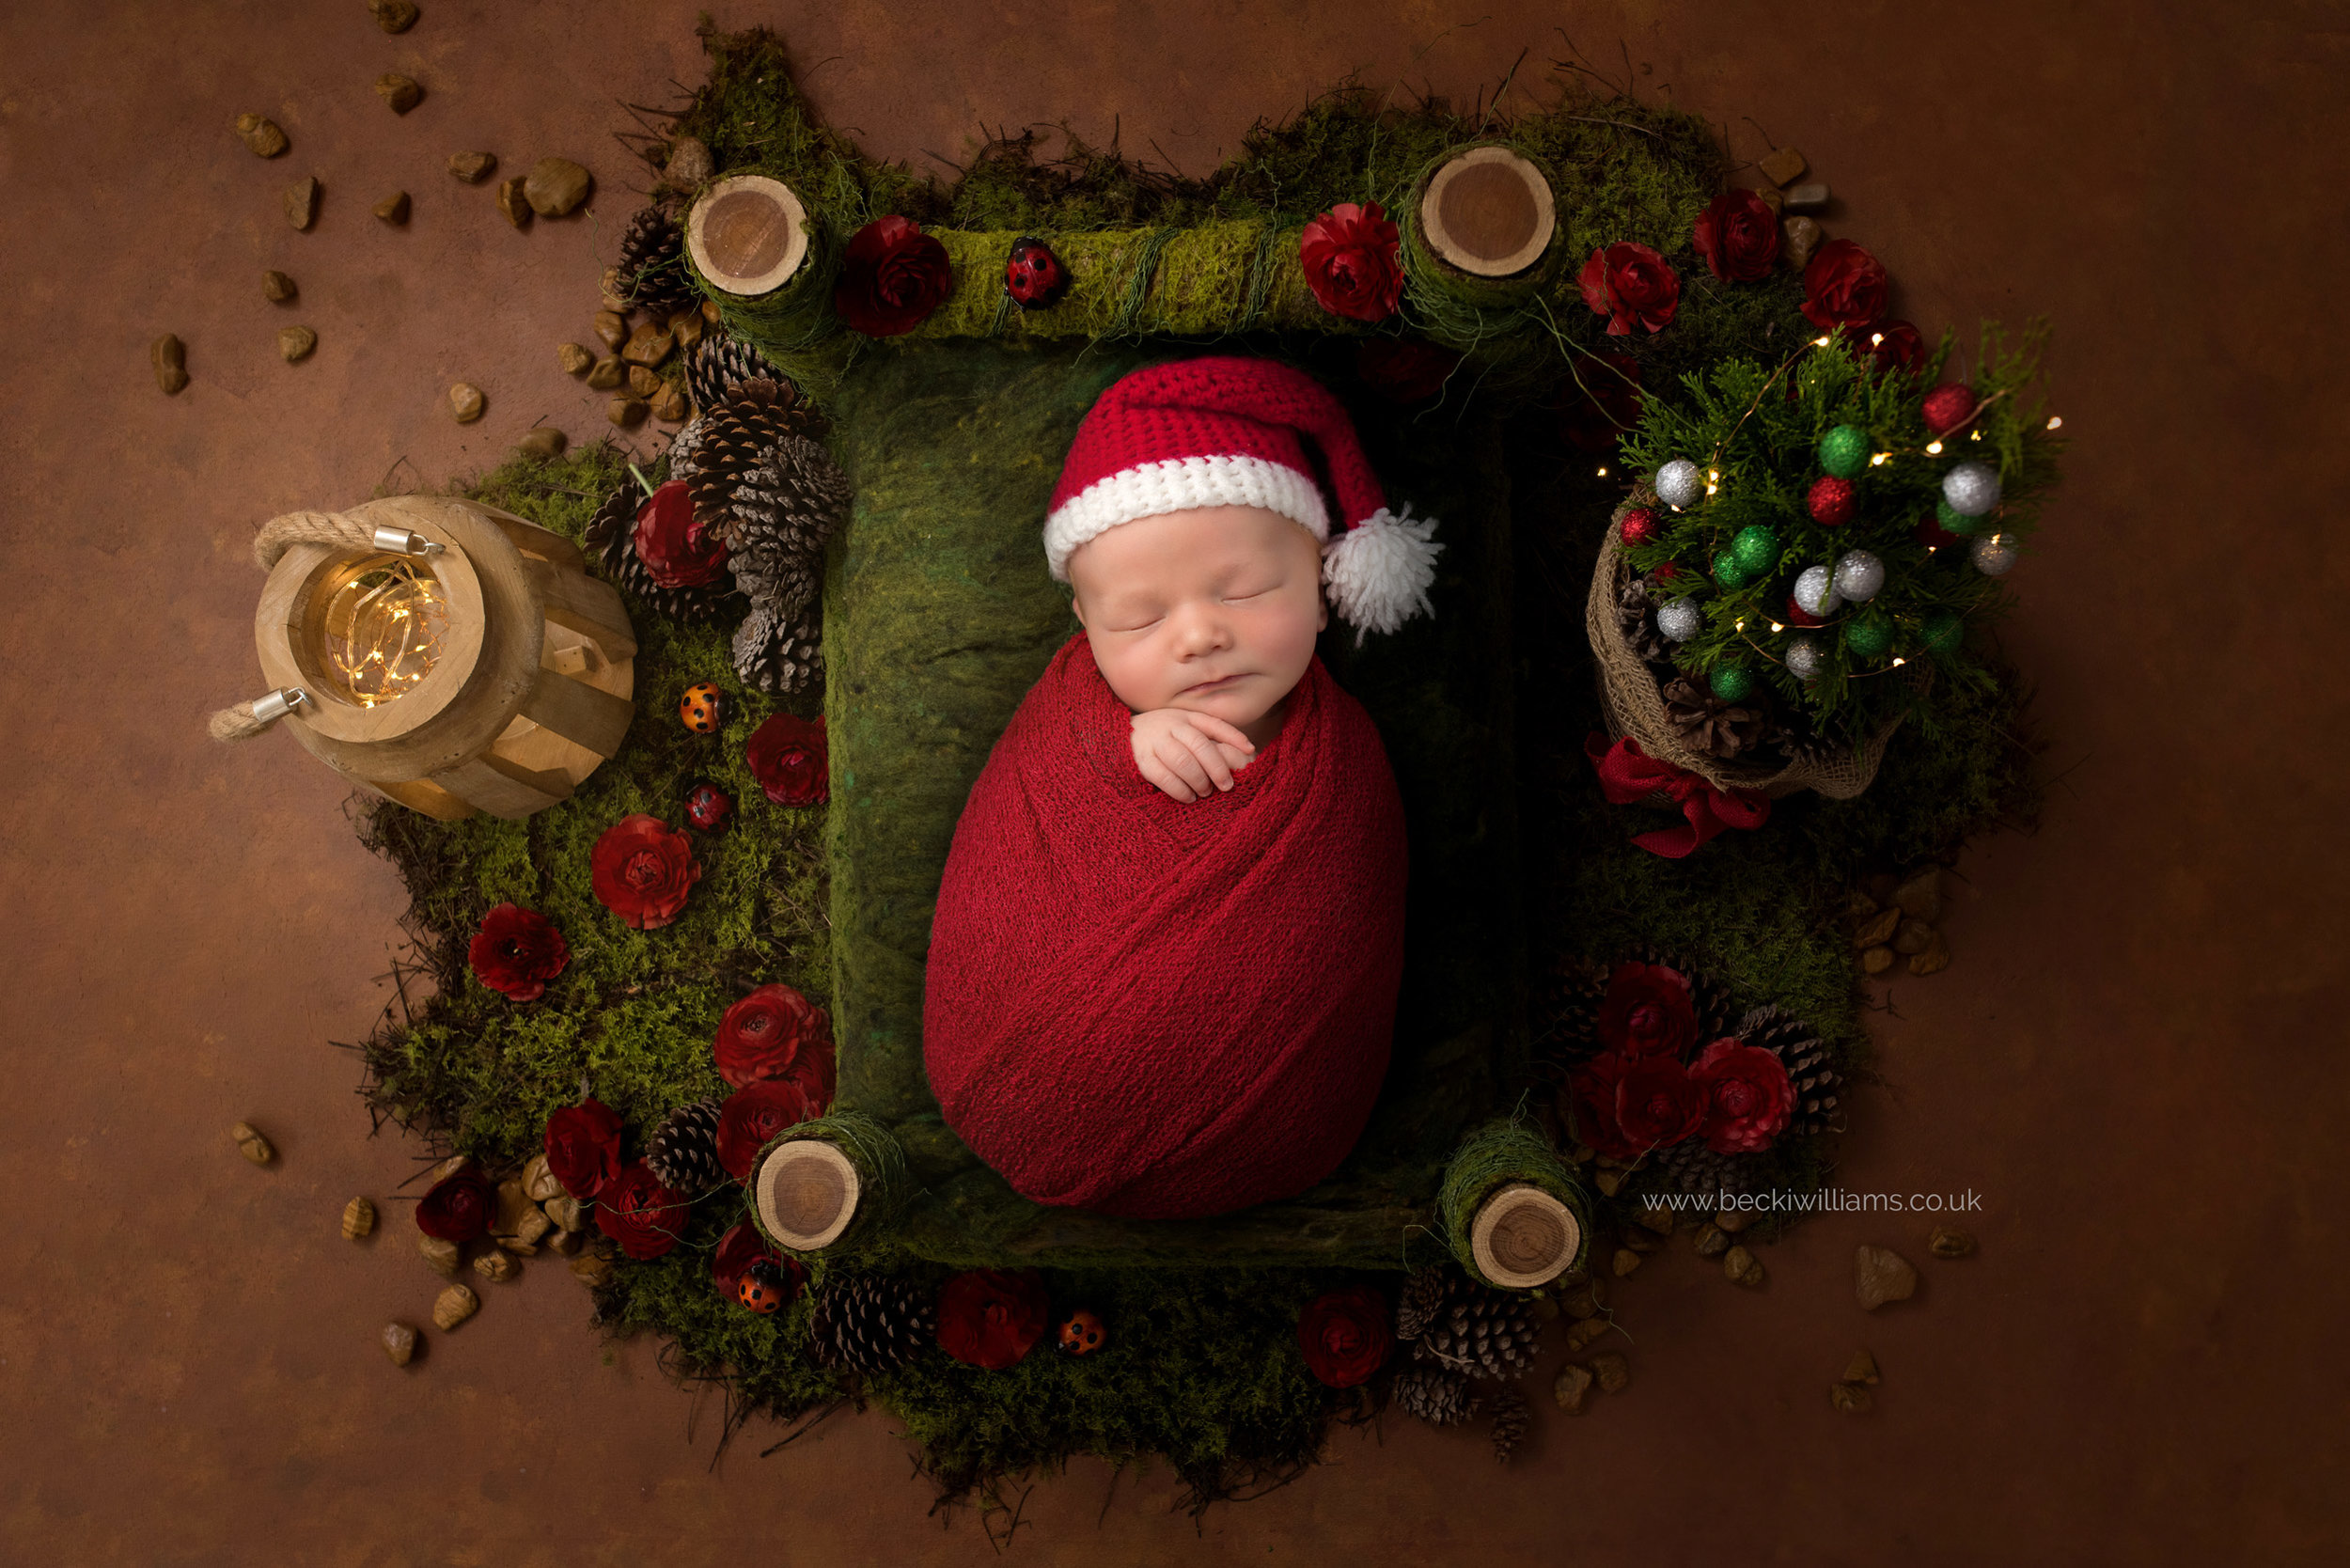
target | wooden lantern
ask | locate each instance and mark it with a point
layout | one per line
(531, 668)
(747, 235)
(1488, 212)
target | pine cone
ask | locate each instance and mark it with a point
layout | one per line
(718, 363)
(734, 446)
(683, 1152)
(1704, 722)
(1565, 1010)
(1481, 1331)
(612, 535)
(781, 653)
(872, 1323)
(1424, 1295)
(1818, 1084)
(1436, 1396)
(1510, 1420)
(1636, 616)
(1690, 1166)
(1804, 746)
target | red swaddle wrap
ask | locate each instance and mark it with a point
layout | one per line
(1160, 1009)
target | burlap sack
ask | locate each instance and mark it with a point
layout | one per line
(1635, 707)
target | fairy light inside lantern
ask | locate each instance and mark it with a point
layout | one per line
(383, 629)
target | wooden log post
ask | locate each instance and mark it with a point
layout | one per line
(747, 235)
(806, 1191)
(1487, 212)
(1523, 1237)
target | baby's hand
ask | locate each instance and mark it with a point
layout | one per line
(1187, 754)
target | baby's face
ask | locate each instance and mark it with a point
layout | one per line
(1214, 610)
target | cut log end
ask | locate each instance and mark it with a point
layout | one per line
(747, 235)
(1523, 1237)
(806, 1192)
(1488, 212)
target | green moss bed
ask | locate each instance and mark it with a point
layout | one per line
(1202, 1366)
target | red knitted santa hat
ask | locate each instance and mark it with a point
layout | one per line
(1222, 431)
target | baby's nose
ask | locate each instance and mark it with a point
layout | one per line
(1202, 628)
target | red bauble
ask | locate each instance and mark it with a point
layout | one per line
(1931, 534)
(707, 808)
(1949, 406)
(1831, 501)
(1639, 526)
(1798, 616)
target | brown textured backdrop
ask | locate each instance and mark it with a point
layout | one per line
(2137, 1059)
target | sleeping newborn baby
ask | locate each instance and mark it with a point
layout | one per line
(1170, 934)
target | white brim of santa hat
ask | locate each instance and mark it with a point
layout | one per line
(1378, 572)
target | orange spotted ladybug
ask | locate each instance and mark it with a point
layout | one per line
(699, 708)
(1081, 1333)
(761, 1289)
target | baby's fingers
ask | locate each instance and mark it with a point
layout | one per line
(1216, 728)
(1156, 772)
(1180, 761)
(1210, 755)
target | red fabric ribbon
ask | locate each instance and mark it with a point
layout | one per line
(1628, 774)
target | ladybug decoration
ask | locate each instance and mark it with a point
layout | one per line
(1034, 276)
(1081, 1333)
(700, 708)
(761, 1289)
(707, 808)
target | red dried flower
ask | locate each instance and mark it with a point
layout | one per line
(1628, 282)
(584, 1148)
(892, 276)
(1352, 263)
(1345, 1335)
(640, 1213)
(775, 1032)
(1737, 234)
(1406, 369)
(752, 1117)
(517, 951)
(1591, 1106)
(1748, 1097)
(1843, 286)
(1897, 348)
(991, 1318)
(460, 1206)
(1657, 1104)
(642, 869)
(788, 756)
(740, 1249)
(677, 549)
(1647, 1011)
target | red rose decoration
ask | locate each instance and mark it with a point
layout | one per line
(1406, 369)
(517, 951)
(1748, 1096)
(1591, 1105)
(741, 1248)
(1607, 404)
(1843, 286)
(1628, 282)
(892, 276)
(642, 869)
(676, 548)
(1897, 348)
(1737, 234)
(459, 1207)
(788, 757)
(1647, 1011)
(1352, 262)
(754, 1114)
(1345, 1335)
(775, 1032)
(640, 1213)
(584, 1148)
(991, 1318)
(1657, 1104)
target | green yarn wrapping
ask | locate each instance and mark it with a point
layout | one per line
(1495, 1155)
(885, 1183)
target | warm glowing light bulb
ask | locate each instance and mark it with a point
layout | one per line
(1898, 663)
(1741, 626)
(1875, 339)
(1878, 460)
(1974, 435)
(1819, 343)
(1602, 472)
(1933, 447)
(1776, 627)
(2056, 421)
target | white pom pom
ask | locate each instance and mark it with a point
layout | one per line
(1379, 571)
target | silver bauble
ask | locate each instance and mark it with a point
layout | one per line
(1803, 657)
(1815, 592)
(1972, 489)
(1679, 620)
(1679, 483)
(1859, 575)
(1993, 554)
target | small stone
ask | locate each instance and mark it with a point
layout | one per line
(556, 185)
(627, 413)
(1609, 1182)
(1572, 1387)
(276, 288)
(1584, 1331)
(453, 1306)
(1712, 1240)
(609, 296)
(688, 165)
(446, 1169)
(592, 1268)
(1879, 927)
(400, 92)
(608, 374)
(497, 1267)
(294, 343)
(1851, 1399)
(251, 1144)
(642, 381)
(565, 1242)
(1920, 897)
(1859, 906)
(465, 402)
(262, 135)
(1769, 197)
(709, 312)
(1732, 1221)
(1880, 1275)
(546, 442)
(1742, 1267)
(1914, 937)
(686, 327)
(670, 404)
(1862, 1368)
(513, 203)
(392, 16)
(611, 329)
(647, 346)
(1949, 1241)
(1612, 1371)
(442, 1254)
(358, 1218)
(574, 357)
(400, 1344)
(171, 363)
(1581, 1301)
(1809, 197)
(1639, 1240)
(568, 1212)
(529, 1230)
(1936, 959)
(1625, 1262)
(1797, 239)
(301, 202)
(1580, 1155)
(1782, 165)
(393, 209)
(1876, 960)
(512, 1204)
(472, 168)
(1657, 1217)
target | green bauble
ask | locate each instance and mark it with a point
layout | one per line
(1729, 570)
(1956, 523)
(1730, 683)
(1844, 451)
(1870, 637)
(1755, 548)
(1943, 633)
